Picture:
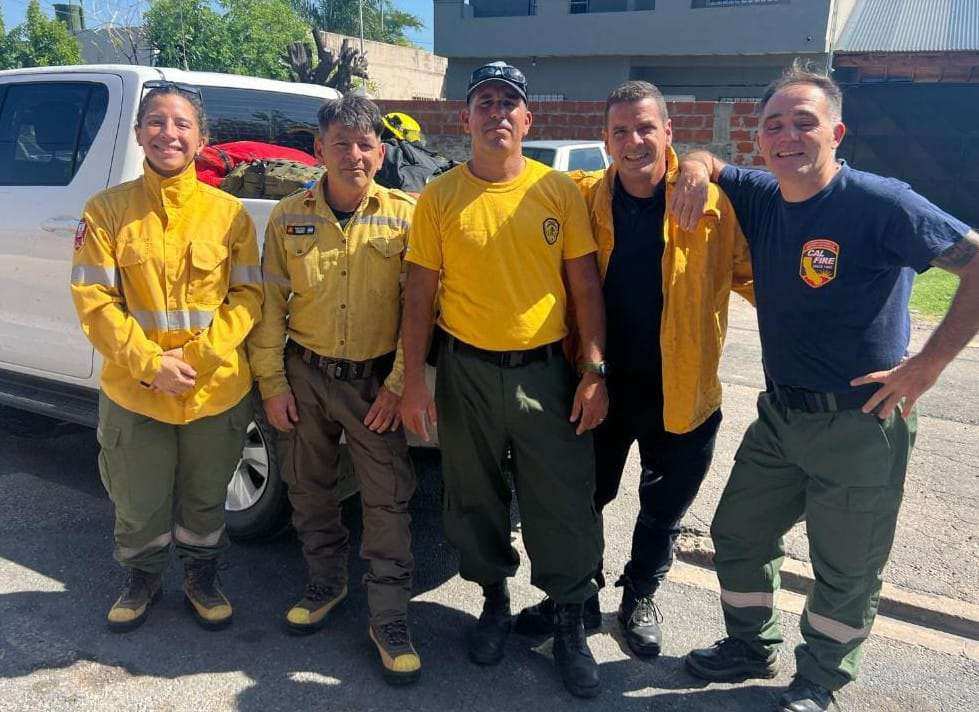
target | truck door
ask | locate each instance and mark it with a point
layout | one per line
(57, 136)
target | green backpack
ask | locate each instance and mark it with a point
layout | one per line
(272, 178)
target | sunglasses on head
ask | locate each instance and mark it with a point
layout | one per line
(166, 84)
(493, 71)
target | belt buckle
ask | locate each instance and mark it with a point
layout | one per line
(340, 371)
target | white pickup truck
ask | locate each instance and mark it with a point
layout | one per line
(65, 134)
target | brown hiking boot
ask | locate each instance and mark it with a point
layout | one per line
(211, 609)
(142, 590)
(309, 614)
(400, 661)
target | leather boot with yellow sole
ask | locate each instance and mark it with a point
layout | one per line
(142, 590)
(309, 614)
(399, 662)
(203, 596)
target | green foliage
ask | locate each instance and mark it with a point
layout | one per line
(260, 31)
(39, 42)
(343, 17)
(249, 38)
(187, 34)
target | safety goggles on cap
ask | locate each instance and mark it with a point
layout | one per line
(498, 72)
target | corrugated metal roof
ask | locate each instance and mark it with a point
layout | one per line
(912, 26)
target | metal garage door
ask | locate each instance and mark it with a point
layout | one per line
(924, 134)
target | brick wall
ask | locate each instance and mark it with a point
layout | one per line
(726, 129)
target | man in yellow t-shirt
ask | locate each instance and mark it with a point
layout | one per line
(496, 240)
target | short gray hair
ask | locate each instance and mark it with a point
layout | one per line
(352, 111)
(636, 90)
(800, 72)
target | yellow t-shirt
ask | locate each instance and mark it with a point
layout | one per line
(500, 249)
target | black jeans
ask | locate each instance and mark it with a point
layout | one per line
(673, 467)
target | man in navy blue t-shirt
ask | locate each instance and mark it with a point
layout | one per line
(834, 253)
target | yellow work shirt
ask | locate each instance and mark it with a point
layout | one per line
(335, 290)
(700, 269)
(165, 263)
(500, 248)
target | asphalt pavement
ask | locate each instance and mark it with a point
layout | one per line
(57, 579)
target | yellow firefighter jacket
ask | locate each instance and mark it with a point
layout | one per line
(334, 290)
(700, 269)
(165, 263)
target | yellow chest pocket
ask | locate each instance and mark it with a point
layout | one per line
(384, 266)
(302, 262)
(209, 275)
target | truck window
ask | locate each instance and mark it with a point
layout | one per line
(541, 155)
(586, 159)
(254, 115)
(46, 130)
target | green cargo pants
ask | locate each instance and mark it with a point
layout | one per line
(168, 482)
(844, 474)
(483, 410)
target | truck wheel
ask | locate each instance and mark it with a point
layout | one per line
(257, 506)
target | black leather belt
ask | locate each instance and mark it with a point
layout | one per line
(505, 359)
(815, 402)
(341, 369)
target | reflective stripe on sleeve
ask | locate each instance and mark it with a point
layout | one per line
(251, 274)
(278, 279)
(840, 632)
(750, 599)
(130, 552)
(94, 274)
(388, 221)
(186, 536)
(177, 320)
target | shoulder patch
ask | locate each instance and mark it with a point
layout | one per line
(80, 232)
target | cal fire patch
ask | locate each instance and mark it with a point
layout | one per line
(819, 262)
(80, 233)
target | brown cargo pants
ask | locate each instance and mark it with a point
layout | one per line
(309, 456)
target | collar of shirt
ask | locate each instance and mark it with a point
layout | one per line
(173, 192)
(321, 207)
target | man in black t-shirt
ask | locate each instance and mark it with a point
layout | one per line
(834, 252)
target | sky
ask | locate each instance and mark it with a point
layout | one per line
(13, 14)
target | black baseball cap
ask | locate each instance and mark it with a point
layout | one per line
(498, 72)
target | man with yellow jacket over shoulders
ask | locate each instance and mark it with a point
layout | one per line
(326, 359)
(167, 284)
(666, 298)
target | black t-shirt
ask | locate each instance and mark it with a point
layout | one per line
(833, 273)
(633, 285)
(343, 218)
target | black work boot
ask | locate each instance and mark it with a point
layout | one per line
(804, 695)
(487, 640)
(731, 660)
(640, 620)
(578, 668)
(211, 609)
(538, 620)
(142, 590)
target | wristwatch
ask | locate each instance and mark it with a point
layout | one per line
(597, 367)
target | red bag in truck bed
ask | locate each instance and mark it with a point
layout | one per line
(215, 162)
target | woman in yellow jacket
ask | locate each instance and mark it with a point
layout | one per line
(167, 284)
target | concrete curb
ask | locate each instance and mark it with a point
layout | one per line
(944, 614)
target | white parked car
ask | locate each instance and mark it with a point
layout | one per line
(65, 134)
(568, 155)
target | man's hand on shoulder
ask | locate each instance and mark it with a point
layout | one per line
(688, 198)
(281, 411)
(590, 403)
(384, 413)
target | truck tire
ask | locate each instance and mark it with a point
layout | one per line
(257, 506)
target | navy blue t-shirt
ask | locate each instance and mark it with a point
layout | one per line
(833, 274)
